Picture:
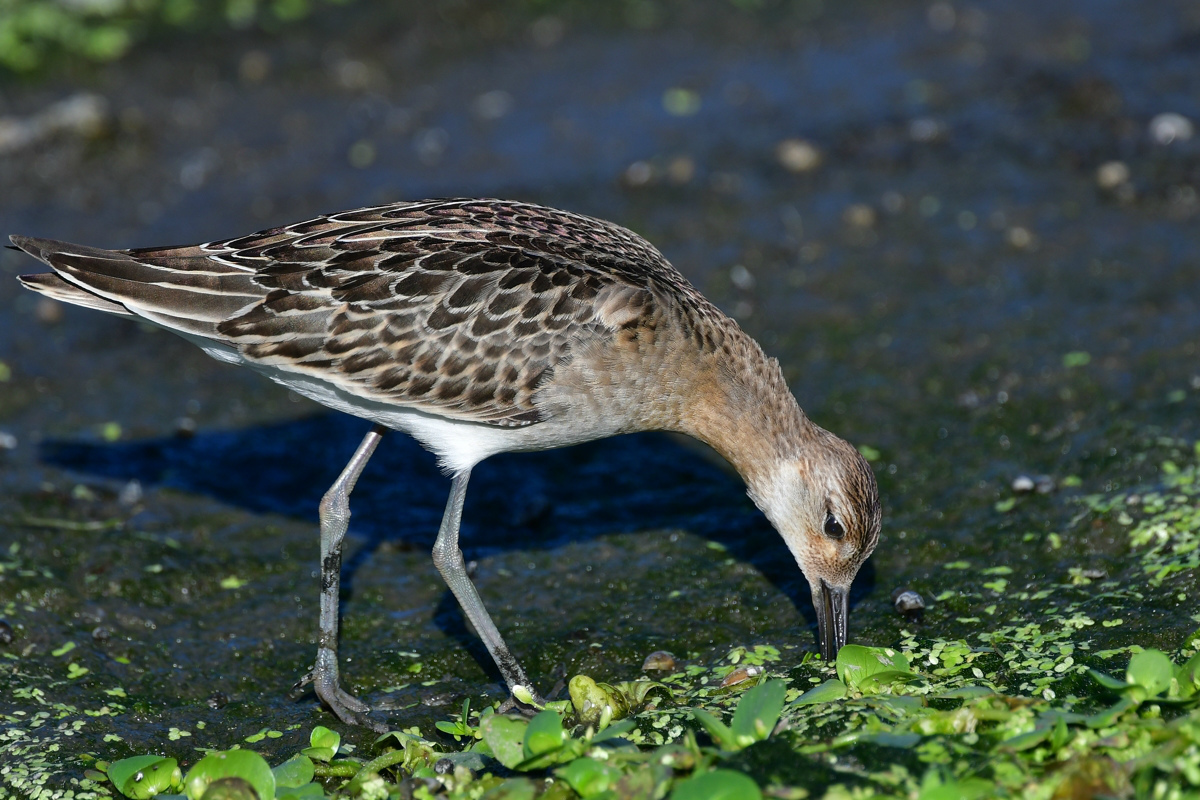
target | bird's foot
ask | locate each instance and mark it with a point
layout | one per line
(348, 708)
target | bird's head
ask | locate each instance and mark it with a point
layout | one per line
(825, 504)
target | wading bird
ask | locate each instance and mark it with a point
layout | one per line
(481, 327)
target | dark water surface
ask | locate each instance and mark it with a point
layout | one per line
(931, 288)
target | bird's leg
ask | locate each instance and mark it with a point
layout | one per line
(448, 559)
(335, 518)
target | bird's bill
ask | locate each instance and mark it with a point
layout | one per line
(832, 613)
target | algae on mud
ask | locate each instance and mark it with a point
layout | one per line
(987, 310)
(1025, 709)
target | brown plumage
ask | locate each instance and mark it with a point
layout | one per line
(484, 326)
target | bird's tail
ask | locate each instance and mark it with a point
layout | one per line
(181, 289)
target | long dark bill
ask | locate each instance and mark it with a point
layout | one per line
(832, 613)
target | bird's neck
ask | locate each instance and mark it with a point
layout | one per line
(743, 409)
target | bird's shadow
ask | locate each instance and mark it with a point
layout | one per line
(628, 483)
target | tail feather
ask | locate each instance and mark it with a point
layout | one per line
(53, 286)
(177, 288)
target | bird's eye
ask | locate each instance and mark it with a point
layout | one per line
(833, 528)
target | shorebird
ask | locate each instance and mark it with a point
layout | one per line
(486, 326)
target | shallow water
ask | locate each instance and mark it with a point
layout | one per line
(928, 289)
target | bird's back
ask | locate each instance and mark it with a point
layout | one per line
(461, 308)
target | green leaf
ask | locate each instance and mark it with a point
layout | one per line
(1025, 741)
(324, 742)
(718, 730)
(720, 784)
(757, 712)
(966, 693)
(615, 731)
(1152, 670)
(827, 692)
(545, 733)
(967, 789)
(1106, 718)
(876, 681)
(296, 771)
(1188, 677)
(589, 777)
(505, 736)
(637, 693)
(597, 704)
(142, 777)
(230, 788)
(867, 668)
(308, 791)
(244, 764)
(1107, 681)
(515, 789)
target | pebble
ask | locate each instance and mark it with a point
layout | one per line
(660, 660)
(798, 155)
(1022, 484)
(1042, 484)
(1171, 127)
(1112, 174)
(908, 603)
(49, 312)
(859, 215)
(82, 114)
(6, 632)
(7, 441)
(101, 633)
(131, 493)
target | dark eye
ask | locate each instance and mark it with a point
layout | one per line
(833, 528)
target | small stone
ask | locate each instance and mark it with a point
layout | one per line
(1094, 574)
(908, 603)
(1022, 484)
(1112, 174)
(859, 215)
(131, 493)
(925, 129)
(638, 174)
(660, 660)
(101, 633)
(1171, 127)
(741, 277)
(492, 105)
(254, 66)
(1020, 238)
(6, 633)
(185, 427)
(798, 155)
(7, 441)
(681, 170)
(49, 312)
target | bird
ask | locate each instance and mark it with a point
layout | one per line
(482, 326)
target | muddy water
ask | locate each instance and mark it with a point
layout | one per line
(953, 285)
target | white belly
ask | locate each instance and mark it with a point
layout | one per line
(458, 444)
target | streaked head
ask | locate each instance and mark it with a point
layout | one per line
(825, 504)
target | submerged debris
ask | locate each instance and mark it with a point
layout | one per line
(740, 675)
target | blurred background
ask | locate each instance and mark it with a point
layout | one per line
(969, 231)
